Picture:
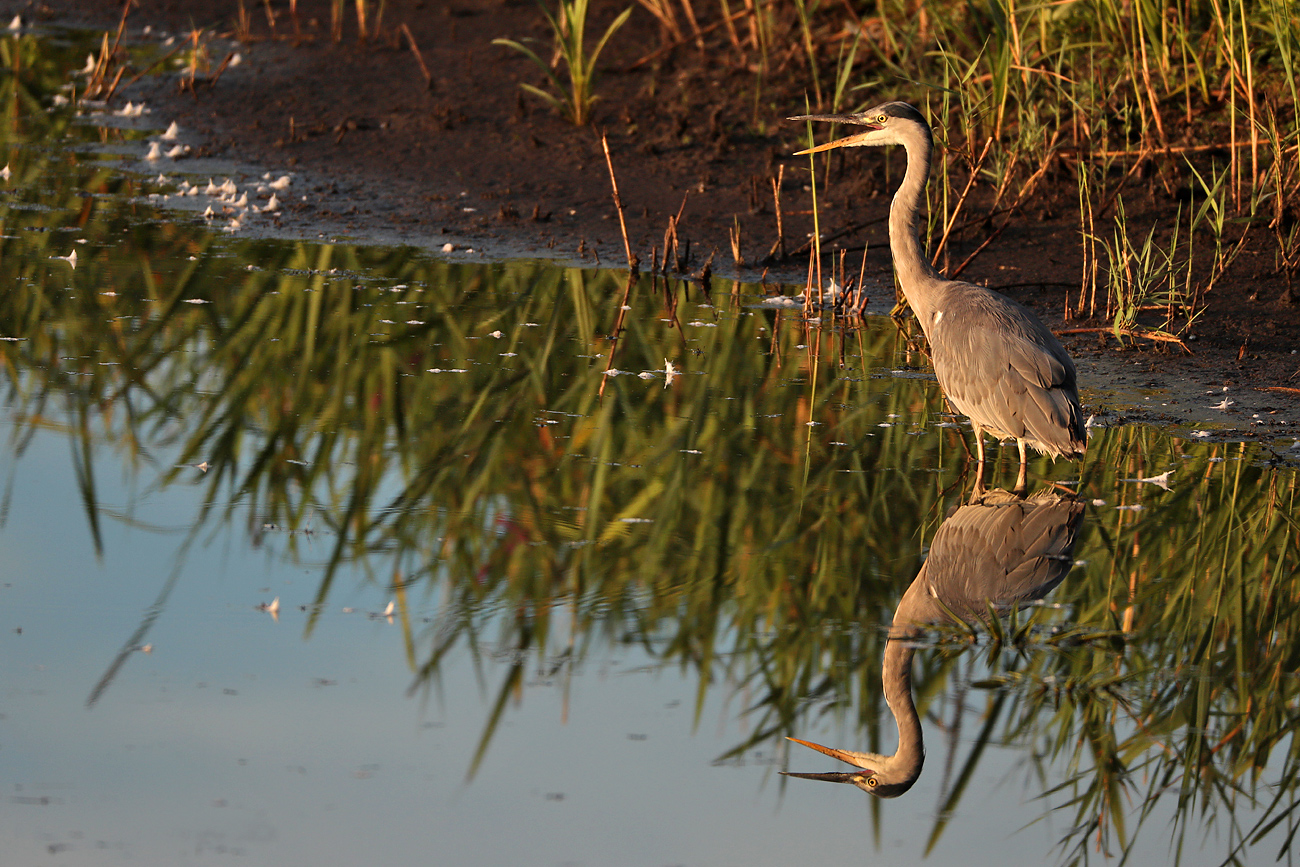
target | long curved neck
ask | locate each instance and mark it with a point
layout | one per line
(915, 609)
(910, 261)
(896, 677)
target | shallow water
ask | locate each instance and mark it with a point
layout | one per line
(608, 608)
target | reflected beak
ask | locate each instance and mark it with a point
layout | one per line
(843, 756)
(847, 141)
(841, 777)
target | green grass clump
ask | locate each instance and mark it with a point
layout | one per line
(576, 100)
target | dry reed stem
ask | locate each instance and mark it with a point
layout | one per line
(220, 69)
(419, 58)
(695, 24)
(112, 88)
(142, 73)
(662, 11)
(121, 27)
(1140, 333)
(733, 234)
(664, 49)
(776, 200)
(1020, 198)
(618, 203)
(1147, 151)
(961, 200)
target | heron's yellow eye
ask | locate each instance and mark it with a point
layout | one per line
(872, 782)
(881, 119)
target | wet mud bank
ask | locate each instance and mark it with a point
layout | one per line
(460, 161)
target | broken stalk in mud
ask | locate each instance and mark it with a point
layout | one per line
(618, 203)
(779, 246)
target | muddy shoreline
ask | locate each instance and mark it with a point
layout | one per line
(382, 157)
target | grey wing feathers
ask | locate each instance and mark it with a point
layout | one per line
(1000, 366)
(1002, 553)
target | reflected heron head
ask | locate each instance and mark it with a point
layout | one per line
(877, 775)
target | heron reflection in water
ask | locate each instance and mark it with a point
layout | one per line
(994, 359)
(999, 550)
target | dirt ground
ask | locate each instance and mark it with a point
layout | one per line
(465, 158)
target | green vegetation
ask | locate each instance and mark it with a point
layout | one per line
(1032, 99)
(569, 27)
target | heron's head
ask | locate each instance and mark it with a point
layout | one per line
(877, 775)
(891, 123)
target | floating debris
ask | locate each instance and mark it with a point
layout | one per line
(1223, 405)
(172, 132)
(154, 152)
(1161, 481)
(670, 373)
(843, 300)
(273, 608)
(71, 259)
(497, 334)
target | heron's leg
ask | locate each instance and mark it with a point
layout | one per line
(979, 466)
(1024, 468)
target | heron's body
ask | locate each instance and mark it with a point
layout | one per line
(997, 552)
(994, 359)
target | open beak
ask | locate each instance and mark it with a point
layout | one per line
(842, 755)
(847, 141)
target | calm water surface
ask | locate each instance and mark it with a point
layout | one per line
(608, 606)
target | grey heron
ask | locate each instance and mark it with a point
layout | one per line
(994, 359)
(999, 551)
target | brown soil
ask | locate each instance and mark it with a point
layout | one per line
(468, 159)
